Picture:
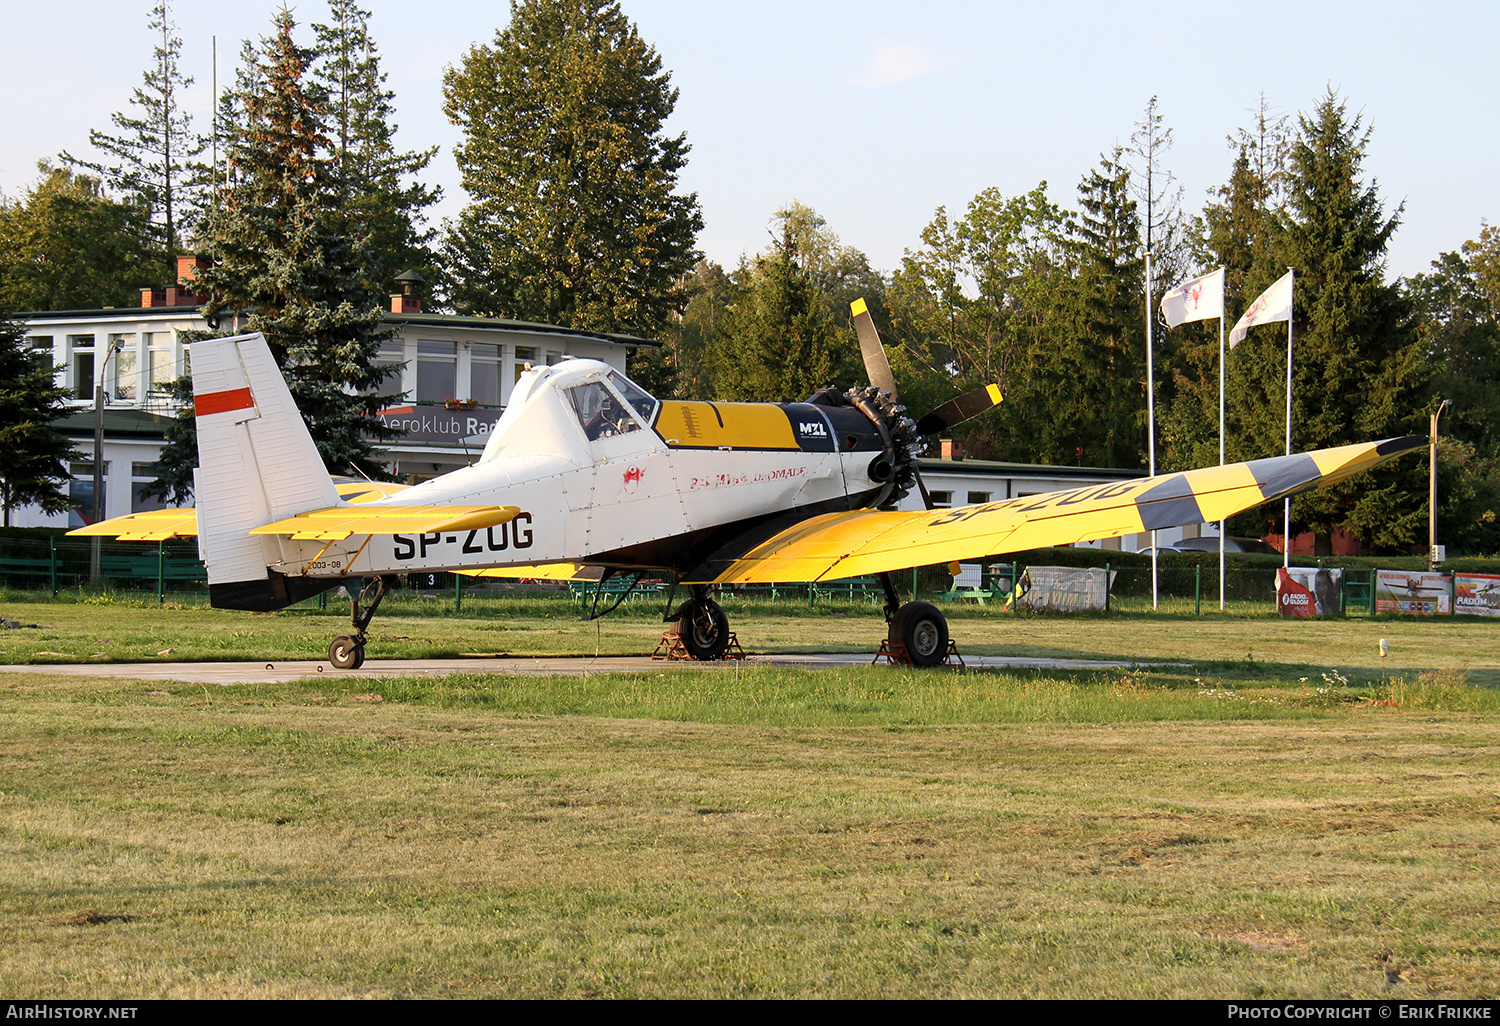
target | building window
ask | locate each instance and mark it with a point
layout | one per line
(392, 354)
(123, 365)
(484, 373)
(82, 365)
(41, 350)
(525, 359)
(975, 498)
(941, 500)
(160, 369)
(437, 371)
(142, 475)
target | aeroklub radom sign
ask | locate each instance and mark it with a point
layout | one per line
(436, 425)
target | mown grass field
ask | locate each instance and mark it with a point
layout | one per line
(1225, 829)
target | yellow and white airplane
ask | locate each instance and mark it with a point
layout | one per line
(586, 470)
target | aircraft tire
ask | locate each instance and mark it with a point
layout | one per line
(704, 628)
(923, 630)
(345, 653)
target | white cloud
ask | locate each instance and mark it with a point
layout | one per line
(894, 62)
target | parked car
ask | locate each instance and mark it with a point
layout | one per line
(1231, 544)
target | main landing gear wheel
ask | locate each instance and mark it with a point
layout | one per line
(923, 631)
(346, 653)
(703, 627)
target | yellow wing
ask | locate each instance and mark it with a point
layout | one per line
(165, 524)
(865, 542)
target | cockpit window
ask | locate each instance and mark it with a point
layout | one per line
(599, 412)
(636, 396)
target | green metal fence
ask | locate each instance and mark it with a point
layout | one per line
(172, 572)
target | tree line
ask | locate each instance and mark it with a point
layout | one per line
(307, 209)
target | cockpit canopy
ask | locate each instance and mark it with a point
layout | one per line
(549, 401)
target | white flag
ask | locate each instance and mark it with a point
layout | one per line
(1196, 300)
(1274, 304)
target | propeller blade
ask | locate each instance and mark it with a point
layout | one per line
(877, 367)
(956, 411)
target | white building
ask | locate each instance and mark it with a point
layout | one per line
(455, 374)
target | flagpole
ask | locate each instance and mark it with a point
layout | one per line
(1150, 419)
(1286, 508)
(1221, 448)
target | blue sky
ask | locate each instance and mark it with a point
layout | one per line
(876, 113)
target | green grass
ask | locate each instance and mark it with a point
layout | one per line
(1223, 829)
(1245, 646)
(457, 838)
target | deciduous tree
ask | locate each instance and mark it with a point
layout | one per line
(66, 245)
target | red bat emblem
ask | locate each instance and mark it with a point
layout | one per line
(632, 478)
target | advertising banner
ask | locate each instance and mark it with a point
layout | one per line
(1065, 588)
(1403, 591)
(1309, 591)
(1476, 594)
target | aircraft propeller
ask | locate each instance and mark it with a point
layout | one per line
(947, 416)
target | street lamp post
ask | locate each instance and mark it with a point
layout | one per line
(95, 559)
(1433, 560)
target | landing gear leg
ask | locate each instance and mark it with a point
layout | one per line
(347, 651)
(702, 625)
(919, 626)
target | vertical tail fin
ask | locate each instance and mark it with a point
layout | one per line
(256, 461)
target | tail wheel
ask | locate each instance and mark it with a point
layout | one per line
(923, 631)
(346, 653)
(704, 628)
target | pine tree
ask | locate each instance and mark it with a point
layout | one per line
(1358, 369)
(155, 148)
(33, 454)
(574, 220)
(379, 194)
(287, 263)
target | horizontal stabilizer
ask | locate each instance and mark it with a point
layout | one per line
(166, 524)
(336, 523)
(153, 525)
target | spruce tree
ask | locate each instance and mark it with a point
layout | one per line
(1104, 371)
(155, 148)
(288, 263)
(378, 192)
(33, 454)
(1358, 370)
(574, 219)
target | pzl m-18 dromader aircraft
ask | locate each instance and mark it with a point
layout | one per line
(586, 470)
